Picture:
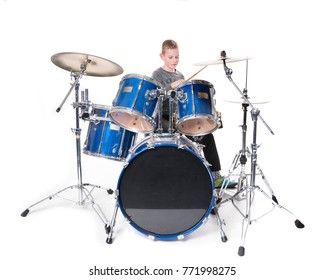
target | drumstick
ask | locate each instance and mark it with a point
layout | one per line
(196, 73)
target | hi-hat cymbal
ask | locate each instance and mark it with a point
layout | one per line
(244, 101)
(220, 61)
(87, 64)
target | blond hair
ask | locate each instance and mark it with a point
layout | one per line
(168, 44)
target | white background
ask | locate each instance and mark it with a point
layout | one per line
(61, 240)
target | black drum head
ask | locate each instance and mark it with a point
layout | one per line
(166, 191)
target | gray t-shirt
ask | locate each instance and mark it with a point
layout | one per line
(165, 78)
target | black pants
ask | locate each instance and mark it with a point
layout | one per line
(209, 150)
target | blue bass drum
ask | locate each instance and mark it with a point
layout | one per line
(134, 107)
(165, 189)
(196, 112)
(106, 139)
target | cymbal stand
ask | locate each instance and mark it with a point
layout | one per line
(249, 189)
(85, 190)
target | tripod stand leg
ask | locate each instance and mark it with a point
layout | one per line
(25, 212)
(95, 206)
(83, 192)
(247, 220)
(220, 224)
(273, 198)
(110, 228)
(215, 212)
(275, 202)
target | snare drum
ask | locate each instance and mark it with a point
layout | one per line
(134, 106)
(196, 112)
(105, 138)
(166, 189)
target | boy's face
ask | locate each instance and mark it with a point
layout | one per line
(170, 58)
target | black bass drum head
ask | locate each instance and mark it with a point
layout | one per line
(166, 192)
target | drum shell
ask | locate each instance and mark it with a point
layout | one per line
(133, 99)
(106, 139)
(196, 108)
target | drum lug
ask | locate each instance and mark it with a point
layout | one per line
(200, 147)
(181, 96)
(181, 146)
(152, 94)
(151, 237)
(150, 144)
(180, 237)
(206, 162)
(204, 221)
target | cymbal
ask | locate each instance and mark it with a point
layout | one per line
(94, 65)
(220, 61)
(244, 101)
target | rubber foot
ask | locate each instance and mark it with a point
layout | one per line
(241, 251)
(224, 239)
(109, 240)
(110, 191)
(107, 229)
(25, 213)
(218, 200)
(299, 224)
(274, 199)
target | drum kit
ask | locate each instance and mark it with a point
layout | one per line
(184, 195)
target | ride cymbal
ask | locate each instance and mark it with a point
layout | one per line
(220, 61)
(242, 101)
(87, 64)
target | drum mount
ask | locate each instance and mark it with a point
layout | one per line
(245, 190)
(84, 190)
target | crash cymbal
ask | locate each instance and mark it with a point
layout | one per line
(94, 65)
(220, 61)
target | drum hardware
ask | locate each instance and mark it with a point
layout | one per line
(171, 94)
(159, 115)
(182, 96)
(79, 65)
(153, 94)
(243, 188)
(85, 105)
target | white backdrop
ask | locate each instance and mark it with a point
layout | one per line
(61, 240)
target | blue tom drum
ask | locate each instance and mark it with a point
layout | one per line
(106, 139)
(134, 106)
(196, 112)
